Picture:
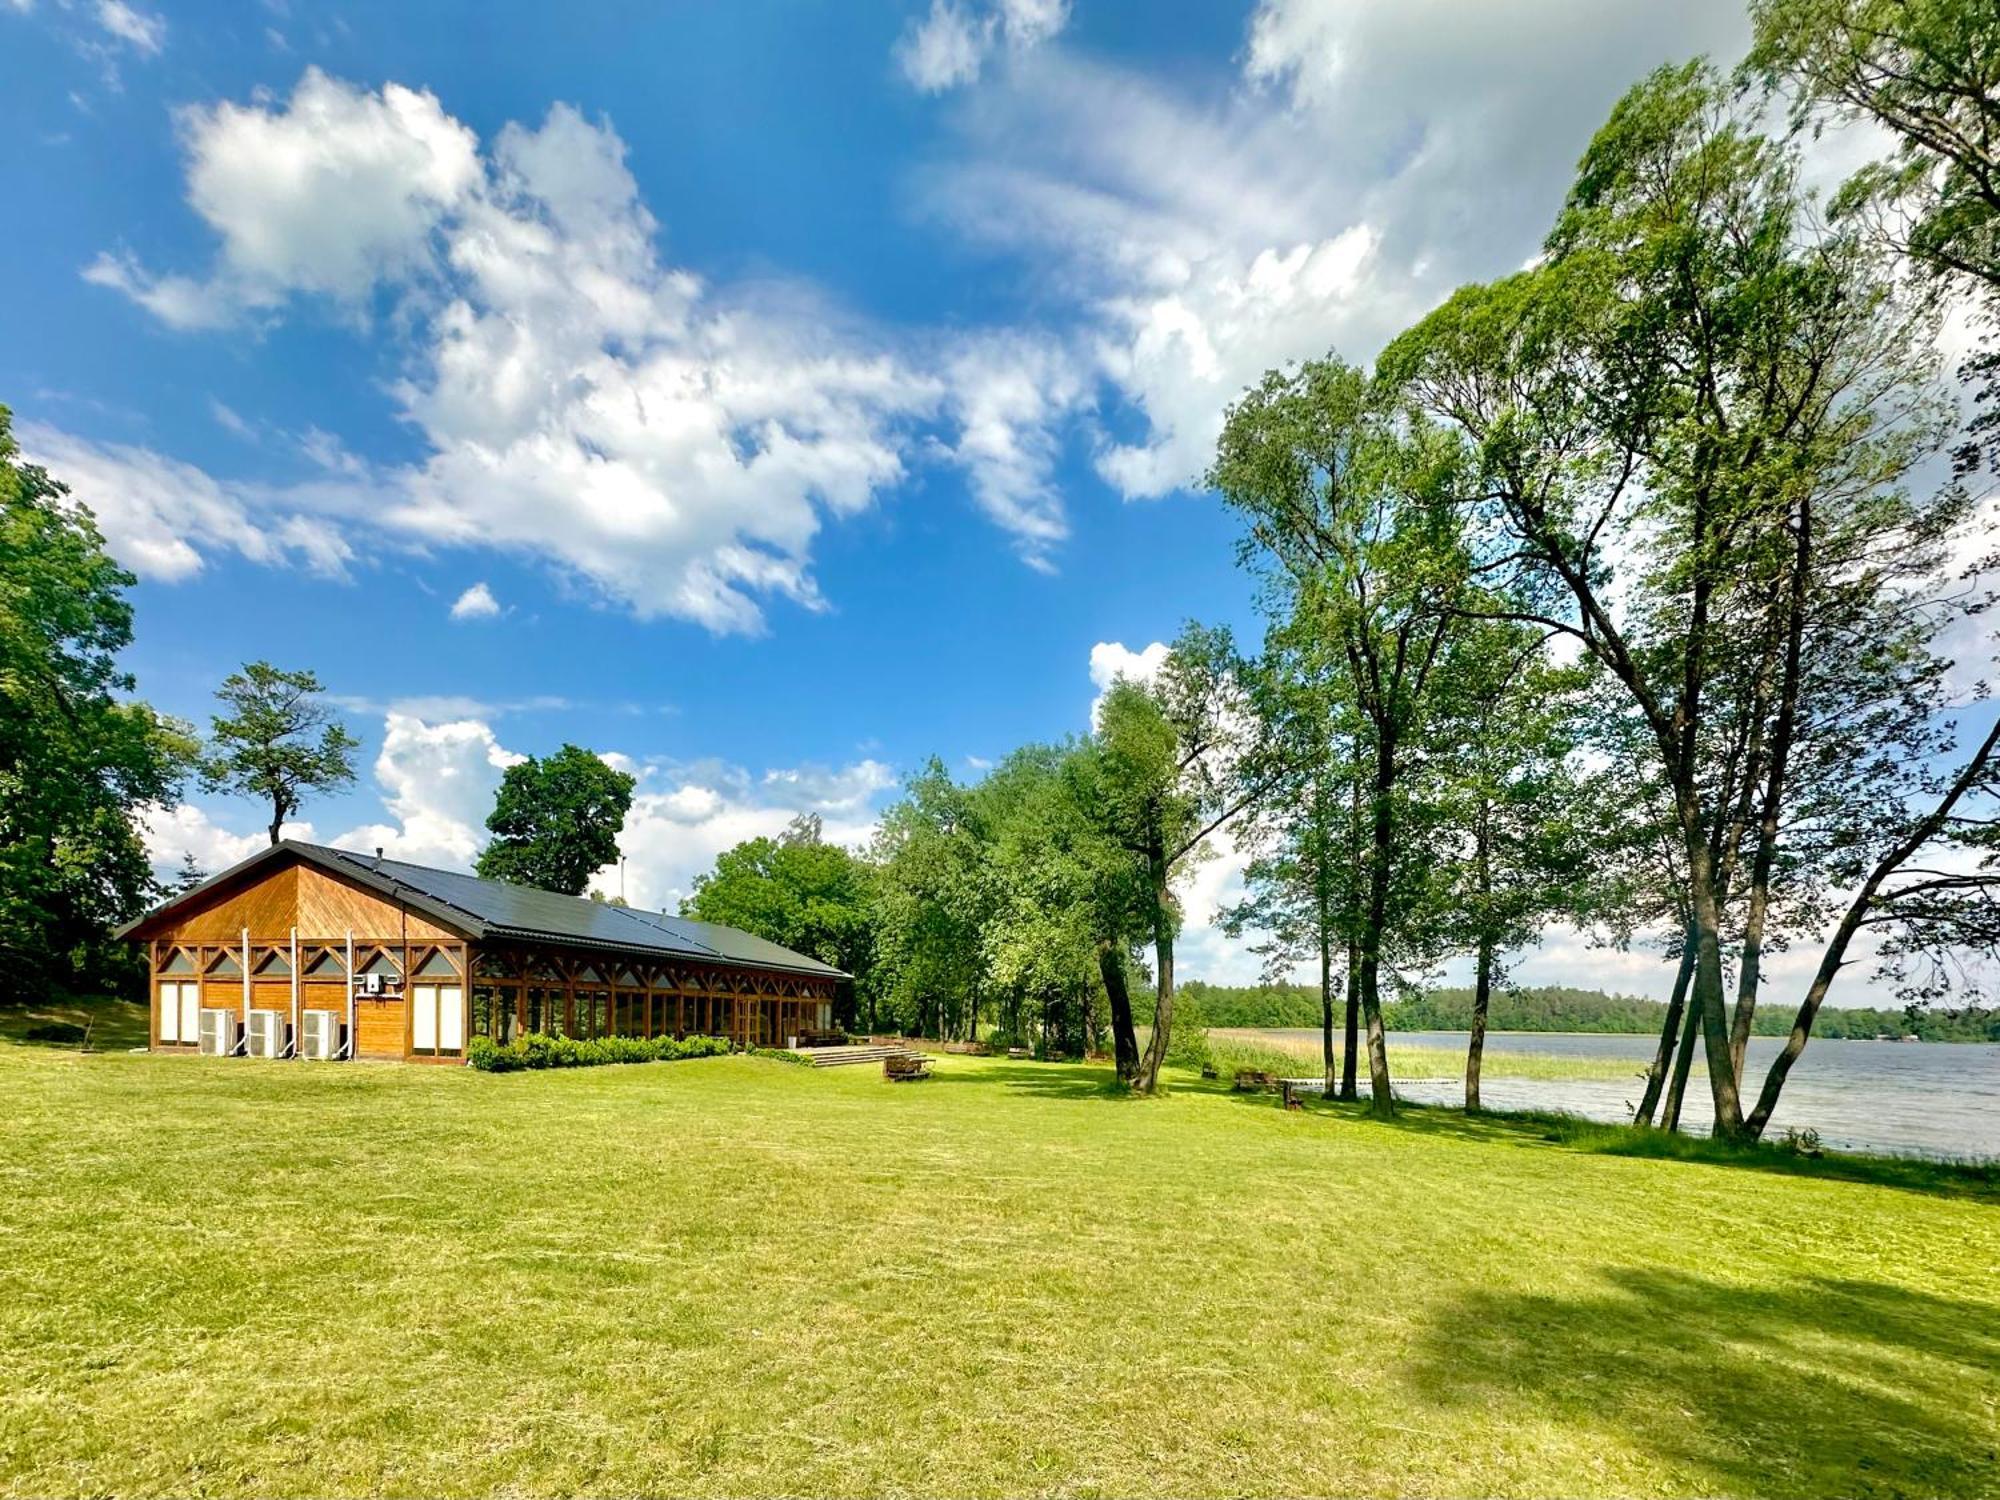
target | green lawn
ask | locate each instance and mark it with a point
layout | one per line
(739, 1277)
(1256, 1047)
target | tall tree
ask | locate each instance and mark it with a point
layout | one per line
(1303, 890)
(1171, 762)
(1691, 427)
(933, 903)
(556, 821)
(796, 889)
(78, 757)
(277, 741)
(1517, 806)
(1349, 505)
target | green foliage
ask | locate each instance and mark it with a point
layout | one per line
(536, 1050)
(277, 741)
(1552, 1007)
(78, 757)
(813, 897)
(556, 821)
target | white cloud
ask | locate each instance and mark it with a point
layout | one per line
(332, 193)
(684, 816)
(1009, 395)
(476, 603)
(1376, 155)
(674, 446)
(138, 29)
(160, 517)
(1111, 661)
(170, 834)
(950, 45)
(437, 782)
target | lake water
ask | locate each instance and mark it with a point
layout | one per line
(1910, 1098)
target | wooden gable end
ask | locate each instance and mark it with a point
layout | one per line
(329, 907)
(289, 894)
(266, 905)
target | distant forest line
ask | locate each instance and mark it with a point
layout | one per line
(1561, 1008)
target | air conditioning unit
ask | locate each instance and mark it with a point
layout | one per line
(218, 1032)
(267, 1034)
(371, 984)
(322, 1035)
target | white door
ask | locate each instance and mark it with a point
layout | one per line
(180, 1013)
(450, 1018)
(437, 1018)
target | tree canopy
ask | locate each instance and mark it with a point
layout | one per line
(556, 820)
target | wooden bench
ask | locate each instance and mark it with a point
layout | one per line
(822, 1039)
(1255, 1081)
(905, 1068)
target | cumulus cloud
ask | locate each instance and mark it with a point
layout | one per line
(170, 834)
(476, 603)
(673, 446)
(1374, 156)
(1113, 661)
(952, 42)
(333, 192)
(436, 779)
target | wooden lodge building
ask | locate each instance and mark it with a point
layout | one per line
(307, 951)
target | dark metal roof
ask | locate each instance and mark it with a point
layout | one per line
(490, 909)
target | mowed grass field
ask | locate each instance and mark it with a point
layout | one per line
(741, 1277)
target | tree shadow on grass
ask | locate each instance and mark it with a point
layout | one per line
(1050, 1080)
(1549, 1131)
(1815, 1386)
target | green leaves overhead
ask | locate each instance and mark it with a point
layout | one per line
(556, 821)
(78, 757)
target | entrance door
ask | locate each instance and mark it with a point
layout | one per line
(437, 1020)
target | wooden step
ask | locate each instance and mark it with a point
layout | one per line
(840, 1057)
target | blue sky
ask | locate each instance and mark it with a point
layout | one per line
(766, 395)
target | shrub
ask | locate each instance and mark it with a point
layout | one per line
(538, 1051)
(781, 1054)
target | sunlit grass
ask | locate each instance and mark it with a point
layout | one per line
(1250, 1048)
(736, 1277)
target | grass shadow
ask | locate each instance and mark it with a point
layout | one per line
(1816, 1386)
(1978, 1180)
(1049, 1080)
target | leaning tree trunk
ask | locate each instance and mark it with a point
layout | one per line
(1475, 1051)
(1124, 1036)
(1148, 1078)
(1670, 1030)
(1683, 1064)
(1708, 1001)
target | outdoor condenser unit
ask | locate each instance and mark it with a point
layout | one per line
(218, 1032)
(322, 1038)
(267, 1033)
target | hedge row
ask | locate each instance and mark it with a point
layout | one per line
(537, 1051)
